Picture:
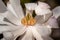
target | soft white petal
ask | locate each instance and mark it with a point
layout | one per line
(56, 11)
(28, 35)
(8, 35)
(43, 30)
(43, 5)
(42, 11)
(8, 27)
(10, 8)
(12, 18)
(40, 18)
(15, 2)
(17, 8)
(3, 22)
(5, 28)
(3, 10)
(19, 31)
(3, 15)
(30, 6)
(53, 22)
(36, 34)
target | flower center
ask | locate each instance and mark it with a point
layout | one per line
(28, 20)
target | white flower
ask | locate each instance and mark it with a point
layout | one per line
(24, 24)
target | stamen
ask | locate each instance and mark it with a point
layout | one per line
(28, 20)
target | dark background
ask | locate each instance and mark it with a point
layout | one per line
(52, 3)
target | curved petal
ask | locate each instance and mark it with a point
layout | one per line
(43, 30)
(36, 34)
(40, 19)
(10, 8)
(3, 15)
(21, 30)
(17, 8)
(28, 35)
(56, 11)
(53, 22)
(3, 10)
(12, 18)
(7, 27)
(43, 5)
(1, 18)
(42, 11)
(30, 6)
(43, 18)
(8, 35)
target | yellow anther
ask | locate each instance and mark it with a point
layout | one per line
(28, 21)
(24, 21)
(31, 21)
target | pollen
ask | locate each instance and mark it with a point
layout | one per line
(28, 20)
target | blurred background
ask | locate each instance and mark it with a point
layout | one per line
(53, 3)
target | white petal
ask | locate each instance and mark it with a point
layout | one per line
(36, 34)
(17, 8)
(8, 35)
(43, 30)
(42, 11)
(3, 10)
(9, 27)
(10, 8)
(30, 6)
(56, 11)
(43, 5)
(40, 18)
(53, 22)
(3, 15)
(2, 7)
(15, 2)
(11, 17)
(5, 28)
(19, 31)
(28, 35)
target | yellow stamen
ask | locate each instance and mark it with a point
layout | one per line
(28, 21)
